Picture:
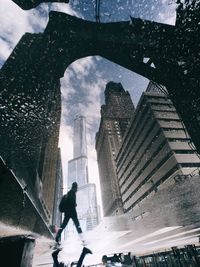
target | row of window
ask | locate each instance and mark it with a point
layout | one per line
(167, 156)
(156, 136)
(156, 185)
(150, 137)
(142, 114)
(134, 138)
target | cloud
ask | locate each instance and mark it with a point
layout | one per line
(168, 15)
(167, 18)
(15, 22)
(62, 7)
(81, 88)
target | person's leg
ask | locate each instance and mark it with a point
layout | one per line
(76, 221)
(55, 257)
(82, 256)
(62, 227)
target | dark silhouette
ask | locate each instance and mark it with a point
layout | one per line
(68, 203)
(56, 263)
(28, 4)
(115, 258)
(128, 259)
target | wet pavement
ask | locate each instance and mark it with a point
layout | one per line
(170, 218)
(116, 235)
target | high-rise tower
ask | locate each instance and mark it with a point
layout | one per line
(79, 137)
(115, 116)
(78, 172)
(78, 166)
(155, 157)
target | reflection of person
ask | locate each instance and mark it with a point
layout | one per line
(115, 258)
(70, 211)
(56, 263)
(128, 259)
(104, 259)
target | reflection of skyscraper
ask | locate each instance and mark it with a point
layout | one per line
(78, 172)
(115, 116)
(78, 166)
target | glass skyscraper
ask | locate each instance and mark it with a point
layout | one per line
(78, 166)
(78, 172)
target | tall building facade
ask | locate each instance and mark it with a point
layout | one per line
(115, 117)
(156, 151)
(50, 154)
(29, 124)
(78, 166)
(78, 172)
(57, 216)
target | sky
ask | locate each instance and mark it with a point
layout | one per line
(84, 81)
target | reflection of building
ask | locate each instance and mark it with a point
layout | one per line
(155, 151)
(115, 116)
(78, 172)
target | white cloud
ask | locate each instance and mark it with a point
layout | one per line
(83, 67)
(5, 50)
(62, 7)
(168, 16)
(14, 21)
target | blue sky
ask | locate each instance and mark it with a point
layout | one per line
(84, 81)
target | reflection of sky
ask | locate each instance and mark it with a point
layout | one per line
(84, 81)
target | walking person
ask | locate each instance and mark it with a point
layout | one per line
(68, 206)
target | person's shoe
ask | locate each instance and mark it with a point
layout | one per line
(82, 239)
(87, 250)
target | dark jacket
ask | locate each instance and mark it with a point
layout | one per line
(71, 199)
(68, 201)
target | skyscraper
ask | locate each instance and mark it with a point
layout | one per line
(115, 117)
(78, 172)
(78, 166)
(155, 154)
(29, 130)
